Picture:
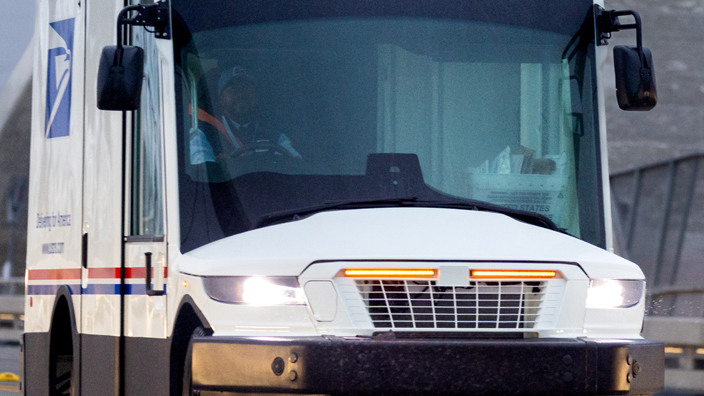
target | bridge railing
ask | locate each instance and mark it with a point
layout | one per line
(11, 309)
(658, 213)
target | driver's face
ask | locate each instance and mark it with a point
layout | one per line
(239, 99)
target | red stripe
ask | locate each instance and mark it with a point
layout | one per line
(140, 272)
(114, 273)
(93, 273)
(104, 273)
(50, 274)
(135, 272)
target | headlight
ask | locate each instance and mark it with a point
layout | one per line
(255, 290)
(610, 293)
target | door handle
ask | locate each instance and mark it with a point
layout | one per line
(84, 251)
(148, 277)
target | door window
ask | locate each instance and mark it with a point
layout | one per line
(147, 185)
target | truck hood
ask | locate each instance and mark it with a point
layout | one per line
(397, 234)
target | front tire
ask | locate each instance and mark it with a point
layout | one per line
(187, 367)
(62, 373)
(61, 376)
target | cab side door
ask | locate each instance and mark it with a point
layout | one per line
(146, 344)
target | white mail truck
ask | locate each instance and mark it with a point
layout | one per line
(338, 197)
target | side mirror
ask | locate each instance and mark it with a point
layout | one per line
(120, 78)
(635, 79)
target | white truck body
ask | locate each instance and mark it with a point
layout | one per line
(86, 266)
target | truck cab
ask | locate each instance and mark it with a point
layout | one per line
(315, 197)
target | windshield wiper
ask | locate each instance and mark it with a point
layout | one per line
(296, 214)
(525, 216)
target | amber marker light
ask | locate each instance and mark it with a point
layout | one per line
(674, 350)
(512, 274)
(390, 273)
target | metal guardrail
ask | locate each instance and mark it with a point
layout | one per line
(10, 388)
(12, 286)
(11, 320)
(658, 216)
(658, 212)
(684, 351)
(11, 309)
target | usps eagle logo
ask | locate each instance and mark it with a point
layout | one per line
(58, 81)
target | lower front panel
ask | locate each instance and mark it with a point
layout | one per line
(146, 366)
(99, 365)
(36, 360)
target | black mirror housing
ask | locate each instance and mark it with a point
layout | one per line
(120, 77)
(635, 79)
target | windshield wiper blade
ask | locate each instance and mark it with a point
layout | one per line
(525, 216)
(521, 215)
(295, 214)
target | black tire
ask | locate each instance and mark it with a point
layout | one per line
(187, 369)
(61, 374)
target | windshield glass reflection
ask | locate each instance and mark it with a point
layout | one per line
(293, 114)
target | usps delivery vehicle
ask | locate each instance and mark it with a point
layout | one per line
(333, 197)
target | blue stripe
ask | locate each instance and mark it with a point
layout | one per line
(93, 288)
(43, 290)
(138, 289)
(97, 288)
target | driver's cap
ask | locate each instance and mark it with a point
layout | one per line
(235, 73)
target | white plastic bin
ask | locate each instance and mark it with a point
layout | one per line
(544, 194)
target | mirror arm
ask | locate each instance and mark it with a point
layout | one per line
(607, 22)
(122, 20)
(148, 15)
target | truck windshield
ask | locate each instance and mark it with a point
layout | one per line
(284, 105)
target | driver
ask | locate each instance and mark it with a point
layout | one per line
(238, 125)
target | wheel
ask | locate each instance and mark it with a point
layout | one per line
(63, 375)
(61, 369)
(61, 356)
(258, 148)
(261, 157)
(187, 369)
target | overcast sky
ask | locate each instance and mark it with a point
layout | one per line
(16, 29)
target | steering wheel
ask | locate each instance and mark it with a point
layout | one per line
(269, 148)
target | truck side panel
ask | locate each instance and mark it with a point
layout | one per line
(56, 165)
(100, 317)
(103, 158)
(56, 182)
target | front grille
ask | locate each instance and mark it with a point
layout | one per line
(481, 305)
